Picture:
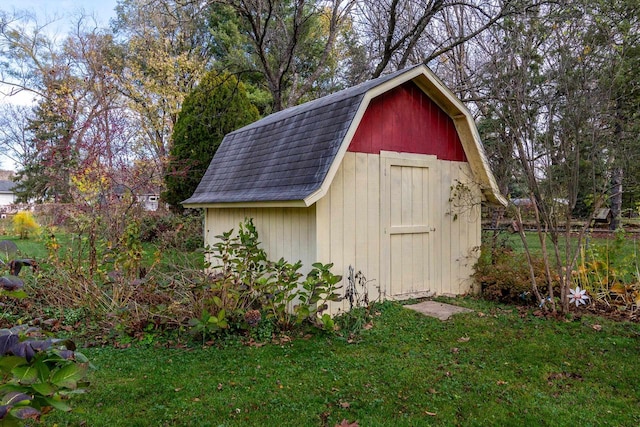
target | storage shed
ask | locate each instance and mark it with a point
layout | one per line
(386, 176)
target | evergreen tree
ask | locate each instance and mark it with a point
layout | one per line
(47, 171)
(217, 106)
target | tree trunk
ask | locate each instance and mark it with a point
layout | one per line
(616, 197)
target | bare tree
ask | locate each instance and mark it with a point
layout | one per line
(552, 105)
(77, 120)
(14, 138)
(399, 33)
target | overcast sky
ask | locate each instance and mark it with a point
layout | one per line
(103, 9)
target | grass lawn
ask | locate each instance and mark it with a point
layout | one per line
(490, 367)
(627, 246)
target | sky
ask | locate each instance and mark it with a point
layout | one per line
(63, 11)
(103, 9)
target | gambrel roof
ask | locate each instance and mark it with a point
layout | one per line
(289, 158)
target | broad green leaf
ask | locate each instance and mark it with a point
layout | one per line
(7, 363)
(69, 375)
(57, 404)
(81, 358)
(7, 388)
(45, 389)
(25, 374)
(19, 294)
(9, 422)
(43, 371)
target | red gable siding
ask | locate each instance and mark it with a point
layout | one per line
(406, 120)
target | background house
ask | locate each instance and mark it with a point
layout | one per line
(386, 176)
(7, 196)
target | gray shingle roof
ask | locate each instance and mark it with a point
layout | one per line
(6, 186)
(284, 156)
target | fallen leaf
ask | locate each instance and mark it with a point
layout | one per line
(597, 327)
(345, 405)
(463, 339)
(177, 389)
(195, 399)
(500, 382)
(431, 414)
(368, 326)
(455, 350)
(433, 391)
(219, 386)
(481, 314)
(347, 423)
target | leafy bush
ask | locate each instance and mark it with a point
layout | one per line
(246, 281)
(608, 274)
(37, 374)
(504, 274)
(24, 224)
(173, 231)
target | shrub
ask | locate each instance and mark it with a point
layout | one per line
(37, 374)
(247, 281)
(608, 273)
(504, 274)
(173, 231)
(24, 223)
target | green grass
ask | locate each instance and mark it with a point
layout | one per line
(490, 367)
(629, 243)
(27, 247)
(34, 247)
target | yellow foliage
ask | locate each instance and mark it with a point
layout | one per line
(24, 223)
(89, 183)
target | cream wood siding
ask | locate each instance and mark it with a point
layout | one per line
(406, 220)
(431, 245)
(348, 222)
(425, 245)
(287, 233)
(460, 225)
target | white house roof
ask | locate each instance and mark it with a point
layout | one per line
(290, 157)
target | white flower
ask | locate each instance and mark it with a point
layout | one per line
(578, 296)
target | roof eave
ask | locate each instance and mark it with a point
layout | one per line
(260, 204)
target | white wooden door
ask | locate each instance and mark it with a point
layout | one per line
(406, 230)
